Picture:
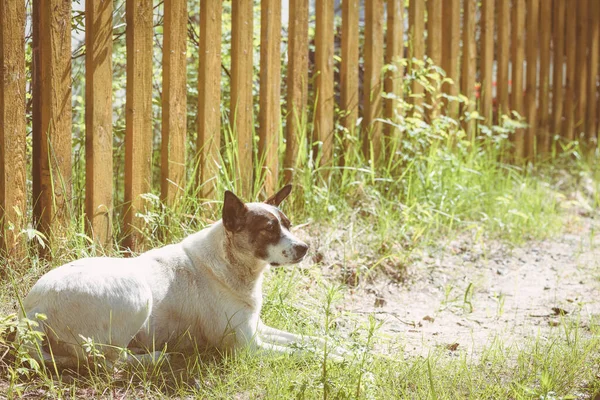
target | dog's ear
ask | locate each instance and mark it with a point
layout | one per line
(234, 212)
(280, 196)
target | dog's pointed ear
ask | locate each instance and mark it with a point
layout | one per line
(234, 212)
(280, 196)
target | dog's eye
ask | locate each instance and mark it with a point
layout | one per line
(270, 228)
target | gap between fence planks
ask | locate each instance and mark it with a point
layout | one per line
(372, 105)
(138, 124)
(174, 102)
(242, 117)
(349, 73)
(324, 107)
(52, 109)
(98, 121)
(297, 83)
(13, 133)
(270, 93)
(208, 142)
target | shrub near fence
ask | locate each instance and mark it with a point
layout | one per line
(536, 57)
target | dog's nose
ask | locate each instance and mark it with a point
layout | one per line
(300, 249)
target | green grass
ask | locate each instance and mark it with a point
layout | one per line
(432, 185)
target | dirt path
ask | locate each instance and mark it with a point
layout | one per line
(463, 295)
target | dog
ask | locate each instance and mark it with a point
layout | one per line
(205, 291)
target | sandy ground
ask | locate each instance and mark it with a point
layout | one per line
(466, 293)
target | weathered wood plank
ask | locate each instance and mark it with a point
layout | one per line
(533, 45)
(558, 55)
(581, 76)
(13, 190)
(270, 92)
(297, 83)
(469, 62)
(571, 58)
(372, 104)
(487, 59)
(324, 80)
(451, 51)
(416, 27)
(393, 53)
(504, 32)
(242, 118)
(52, 140)
(208, 142)
(138, 120)
(174, 102)
(349, 70)
(545, 30)
(98, 120)
(434, 44)
(593, 59)
(518, 57)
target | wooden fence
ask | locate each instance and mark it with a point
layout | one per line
(537, 57)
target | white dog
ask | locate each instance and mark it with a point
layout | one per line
(203, 292)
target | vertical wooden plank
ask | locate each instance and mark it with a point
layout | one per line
(487, 59)
(52, 172)
(270, 92)
(241, 90)
(518, 57)
(13, 132)
(533, 45)
(174, 101)
(297, 82)
(208, 142)
(98, 120)
(349, 70)
(138, 120)
(434, 44)
(394, 51)
(373, 53)
(416, 23)
(581, 76)
(503, 56)
(545, 29)
(558, 54)
(451, 51)
(469, 61)
(324, 80)
(594, 43)
(571, 54)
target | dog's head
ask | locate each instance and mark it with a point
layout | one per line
(262, 230)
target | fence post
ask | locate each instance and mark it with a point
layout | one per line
(98, 120)
(270, 92)
(533, 44)
(503, 57)
(594, 42)
(208, 142)
(241, 90)
(451, 50)
(138, 124)
(297, 83)
(349, 72)
(373, 54)
(13, 132)
(174, 101)
(571, 55)
(518, 56)
(434, 45)
(487, 60)
(52, 130)
(581, 77)
(416, 23)
(543, 137)
(469, 63)
(324, 81)
(558, 41)
(393, 53)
